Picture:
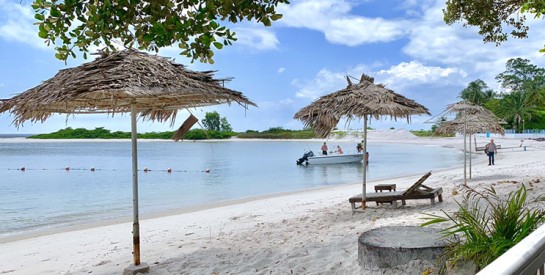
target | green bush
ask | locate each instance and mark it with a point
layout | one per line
(338, 134)
(422, 133)
(278, 133)
(488, 226)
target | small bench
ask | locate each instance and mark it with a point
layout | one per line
(385, 186)
(481, 148)
(389, 187)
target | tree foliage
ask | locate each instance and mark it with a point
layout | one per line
(214, 122)
(477, 92)
(211, 121)
(278, 133)
(225, 126)
(524, 77)
(195, 26)
(522, 97)
(99, 133)
(492, 16)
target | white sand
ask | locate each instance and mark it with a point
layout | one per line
(311, 232)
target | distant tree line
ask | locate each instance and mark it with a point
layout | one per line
(278, 133)
(99, 133)
(215, 127)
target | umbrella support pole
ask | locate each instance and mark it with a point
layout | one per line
(137, 266)
(470, 156)
(465, 154)
(363, 206)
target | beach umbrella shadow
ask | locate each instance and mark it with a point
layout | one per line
(127, 81)
(362, 100)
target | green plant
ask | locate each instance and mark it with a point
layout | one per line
(488, 226)
(422, 133)
(338, 134)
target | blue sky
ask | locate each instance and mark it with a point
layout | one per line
(307, 54)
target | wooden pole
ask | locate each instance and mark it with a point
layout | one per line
(135, 225)
(465, 155)
(363, 206)
(137, 267)
(470, 150)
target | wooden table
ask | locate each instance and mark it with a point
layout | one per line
(389, 187)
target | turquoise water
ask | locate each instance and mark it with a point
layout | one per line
(45, 195)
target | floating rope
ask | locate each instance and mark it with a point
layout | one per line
(93, 169)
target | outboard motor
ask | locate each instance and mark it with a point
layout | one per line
(305, 157)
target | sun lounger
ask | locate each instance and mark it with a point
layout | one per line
(416, 192)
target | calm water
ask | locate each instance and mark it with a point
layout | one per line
(46, 195)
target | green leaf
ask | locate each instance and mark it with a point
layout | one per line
(39, 17)
(148, 37)
(266, 21)
(218, 45)
(42, 34)
(275, 17)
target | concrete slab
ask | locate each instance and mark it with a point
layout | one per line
(135, 269)
(396, 247)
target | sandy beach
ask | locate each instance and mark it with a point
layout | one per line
(310, 232)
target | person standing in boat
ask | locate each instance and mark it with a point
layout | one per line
(339, 150)
(359, 147)
(324, 149)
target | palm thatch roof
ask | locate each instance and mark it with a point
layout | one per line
(470, 119)
(112, 83)
(475, 124)
(356, 101)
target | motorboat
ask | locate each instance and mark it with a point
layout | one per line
(310, 158)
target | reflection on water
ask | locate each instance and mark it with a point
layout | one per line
(46, 195)
(321, 175)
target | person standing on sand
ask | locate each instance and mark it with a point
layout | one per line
(324, 149)
(491, 149)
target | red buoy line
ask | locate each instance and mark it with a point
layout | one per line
(93, 169)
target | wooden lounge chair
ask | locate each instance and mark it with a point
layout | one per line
(416, 192)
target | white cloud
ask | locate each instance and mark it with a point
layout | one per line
(313, 14)
(431, 40)
(281, 70)
(358, 31)
(325, 82)
(333, 18)
(417, 73)
(258, 39)
(16, 24)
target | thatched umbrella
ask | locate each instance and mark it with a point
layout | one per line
(122, 82)
(362, 100)
(470, 119)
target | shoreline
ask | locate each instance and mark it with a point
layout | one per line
(304, 231)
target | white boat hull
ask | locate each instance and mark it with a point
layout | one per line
(334, 159)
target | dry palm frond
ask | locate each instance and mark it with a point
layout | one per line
(357, 101)
(188, 123)
(110, 84)
(470, 119)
